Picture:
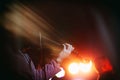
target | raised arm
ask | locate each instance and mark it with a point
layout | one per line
(53, 67)
(65, 52)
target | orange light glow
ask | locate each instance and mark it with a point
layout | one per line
(73, 68)
(85, 67)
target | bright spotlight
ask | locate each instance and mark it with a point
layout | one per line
(73, 68)
(85, 67)
(61, 73)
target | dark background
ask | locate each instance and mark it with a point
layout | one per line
(76, 22)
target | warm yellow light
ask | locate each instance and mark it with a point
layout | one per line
(61, 73)
(85, 67)
(73, 68)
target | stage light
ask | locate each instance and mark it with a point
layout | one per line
(73, 68)
(81, 67)
(85, 67)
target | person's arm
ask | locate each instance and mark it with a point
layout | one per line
(47, 72)
(53, 67)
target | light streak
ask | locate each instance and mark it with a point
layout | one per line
(23, 22)
(61, 73)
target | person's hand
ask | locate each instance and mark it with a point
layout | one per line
(65, 52)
